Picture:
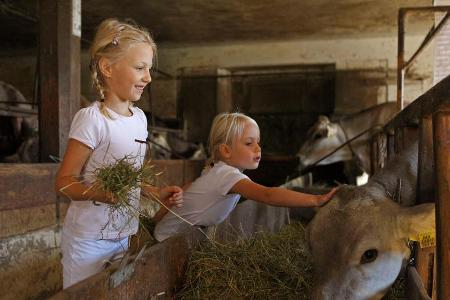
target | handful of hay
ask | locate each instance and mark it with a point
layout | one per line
(267, 266)
(121, 178)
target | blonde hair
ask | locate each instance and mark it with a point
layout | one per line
(112, 40)
(225, 129)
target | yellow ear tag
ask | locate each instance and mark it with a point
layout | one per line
(425, 239)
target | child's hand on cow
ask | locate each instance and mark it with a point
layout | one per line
(322, 199)
(171, 196)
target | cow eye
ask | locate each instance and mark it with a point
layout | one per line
(369, 256)
(317, 136)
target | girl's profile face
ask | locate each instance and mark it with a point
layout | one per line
(131, 73)
(245, 152)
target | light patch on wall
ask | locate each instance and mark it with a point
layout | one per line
(76, 18)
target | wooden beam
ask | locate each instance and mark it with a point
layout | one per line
(426, 104)
(59, 73)
(425, 176)
(441, 135)
(26, 185)
(414, 286)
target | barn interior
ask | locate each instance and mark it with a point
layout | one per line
(283, 62)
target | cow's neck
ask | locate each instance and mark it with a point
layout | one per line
(399, 178)
(364, 121)
(369, 118)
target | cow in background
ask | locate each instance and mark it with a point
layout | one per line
(325, 136)
(167, 141)
(19, 126)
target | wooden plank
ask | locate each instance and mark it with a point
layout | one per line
(425, 193)
(59, 69)
(23, 220)
(441, 138)
(425, 176)
(425, 264)
(224, 99)
(426, 104)
(27, 185)
(11, 111)
(160, 269)
(414, 287)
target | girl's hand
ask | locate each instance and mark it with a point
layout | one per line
(322, 199)
(106, 198)
(109, 198)
(171, 196)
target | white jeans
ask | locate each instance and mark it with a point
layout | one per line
(82, 258)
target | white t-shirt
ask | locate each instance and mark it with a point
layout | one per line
(206, 201)
(110, 139)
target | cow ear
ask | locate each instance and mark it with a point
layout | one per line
(416, 220)
(323, 119)
(331, 130)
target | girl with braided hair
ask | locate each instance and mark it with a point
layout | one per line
(121, 58)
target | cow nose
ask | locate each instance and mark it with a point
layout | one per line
(323, 292)
(318, 294)
(301, 166)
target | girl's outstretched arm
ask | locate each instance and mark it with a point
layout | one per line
(277, 196)
(67, 181)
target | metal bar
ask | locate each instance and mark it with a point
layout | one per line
(433, 31)
(401, 66)
(400, 58)
(17, 112)
(164, 129)
(426, 8)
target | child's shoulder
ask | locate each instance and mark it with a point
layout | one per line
(93, 109)
(221, 168)
(139, 112)
(91, 112)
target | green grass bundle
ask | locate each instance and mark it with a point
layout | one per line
(121, 178)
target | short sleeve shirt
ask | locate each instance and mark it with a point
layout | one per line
(110, 139)
(206, 202)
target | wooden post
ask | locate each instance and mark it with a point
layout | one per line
(390, 145)
(425, 176)
(398, 140)
(378, 152)
(425, 193)
(441, 138)
(59, 73)
(224, 98)
(400, 58)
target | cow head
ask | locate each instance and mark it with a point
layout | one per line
(359, 243)
(322, 138)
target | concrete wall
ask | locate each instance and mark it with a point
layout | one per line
(349, 56)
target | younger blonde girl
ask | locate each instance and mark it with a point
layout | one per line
(234, 147)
